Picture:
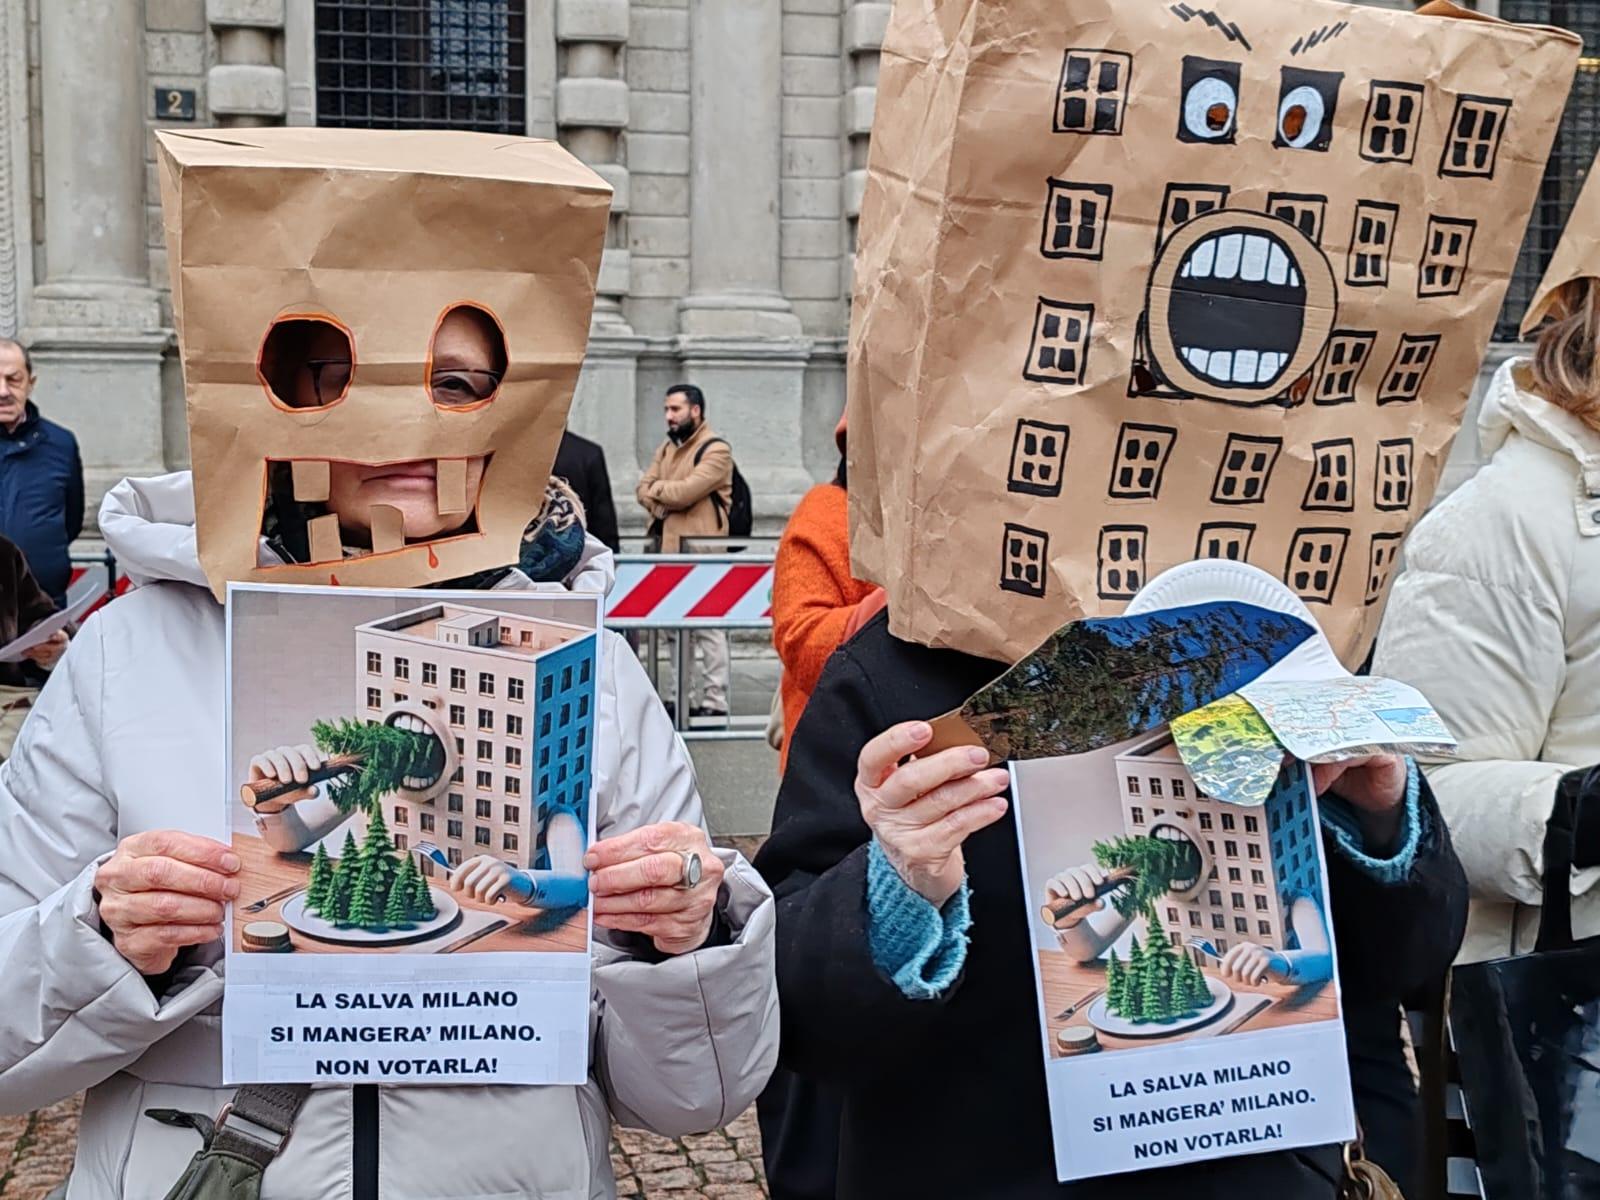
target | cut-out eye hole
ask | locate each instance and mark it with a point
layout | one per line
(1305, 109)
(1210, 101)
(467, 360)
(307, 362)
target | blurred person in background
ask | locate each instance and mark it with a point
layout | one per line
(41, 476)
(23, 604)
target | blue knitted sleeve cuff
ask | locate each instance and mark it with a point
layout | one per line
(1342, 820)
(919, 947)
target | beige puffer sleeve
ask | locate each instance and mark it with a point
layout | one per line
(685, 1044)
(76, 1011)
(1477, 623)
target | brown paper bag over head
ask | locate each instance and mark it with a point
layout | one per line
(1577, 255)
(380, 334)
(1143, 283)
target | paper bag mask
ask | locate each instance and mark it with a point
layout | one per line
(1144, 283)
(314, 273)
(1577, 254)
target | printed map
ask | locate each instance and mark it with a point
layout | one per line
(1345, 717)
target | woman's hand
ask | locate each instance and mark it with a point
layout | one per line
(48, 652)
(286, 764)
(1076, 885)
(1376, 788)
(921, 812)
(635, 878)
(164, 890)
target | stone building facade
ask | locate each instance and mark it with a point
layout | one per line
(734, 132)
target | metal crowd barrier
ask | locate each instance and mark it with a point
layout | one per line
(660, 599)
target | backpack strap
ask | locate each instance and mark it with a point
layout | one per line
(256, 1123)
(706, 445)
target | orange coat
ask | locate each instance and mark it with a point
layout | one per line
(813, 596)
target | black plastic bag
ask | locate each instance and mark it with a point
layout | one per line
(1527, 1033)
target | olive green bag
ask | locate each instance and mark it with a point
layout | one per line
(249, 1132)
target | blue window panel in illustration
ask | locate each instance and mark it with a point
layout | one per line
(566, 700)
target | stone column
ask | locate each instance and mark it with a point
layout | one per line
(591, 115)
(16, 204)
(246, 86)
(864, 25)
(740, 339)
(95, 324)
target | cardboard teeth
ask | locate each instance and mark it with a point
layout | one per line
(388, 528)
(323, 533)
(310, 479)
(452, 485)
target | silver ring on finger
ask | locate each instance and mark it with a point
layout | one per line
(689, 877)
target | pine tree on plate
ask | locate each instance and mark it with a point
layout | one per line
(397, 908)
(1116, 984)
(321, 881)
(364, 898)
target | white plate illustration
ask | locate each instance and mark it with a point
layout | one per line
(1221, 999)
(447, 914)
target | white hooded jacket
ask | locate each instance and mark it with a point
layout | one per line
(128, 736)
(1497, 620)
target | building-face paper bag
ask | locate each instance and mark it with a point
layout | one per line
(327, 261)
(1143, 283)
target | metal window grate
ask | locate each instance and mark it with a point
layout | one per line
(412, 64)
(1575, 147)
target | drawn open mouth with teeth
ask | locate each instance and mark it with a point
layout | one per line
(1240, 305)
(435, 776)
(1194, 873)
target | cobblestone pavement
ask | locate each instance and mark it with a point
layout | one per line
(36, 1153)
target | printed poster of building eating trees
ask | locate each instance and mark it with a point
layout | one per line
(409, 779)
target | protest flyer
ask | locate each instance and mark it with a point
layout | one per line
(1185, 969)
(409, 795)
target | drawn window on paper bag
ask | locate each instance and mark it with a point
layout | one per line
(1305, 212)
(1223, 539)
(1402, 382)
(1394, 113)
(1333, 477)
(1380, 564)
(1306, 104)
(1475, 132)
(1038, 458)
(1393, 473)
(1445, 254)
(1347, 355)
(1371, 240)
(1121, 560)
(1186, 201)
(1075, 219)
(1245, 469)
(1142, 453)
(1060, 342)
(1023, 555)
(1208, 106)
(1316, 557)
(1092, 96)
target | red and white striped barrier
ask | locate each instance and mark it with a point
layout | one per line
(671, 591)
(123, 584)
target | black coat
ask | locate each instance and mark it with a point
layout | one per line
(41, 497)
(946, 1097)
(583, 465)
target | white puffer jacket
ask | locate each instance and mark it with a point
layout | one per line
(128, 736)
(1497, 620)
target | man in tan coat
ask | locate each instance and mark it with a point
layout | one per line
(687, 490)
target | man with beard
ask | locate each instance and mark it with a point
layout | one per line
(687, 490)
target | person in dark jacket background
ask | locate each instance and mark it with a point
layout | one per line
(23, 605)
(910, 994)
(582, 464)
(41, 476)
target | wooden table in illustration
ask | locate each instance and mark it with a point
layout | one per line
(268, 874)
(1072, 988)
